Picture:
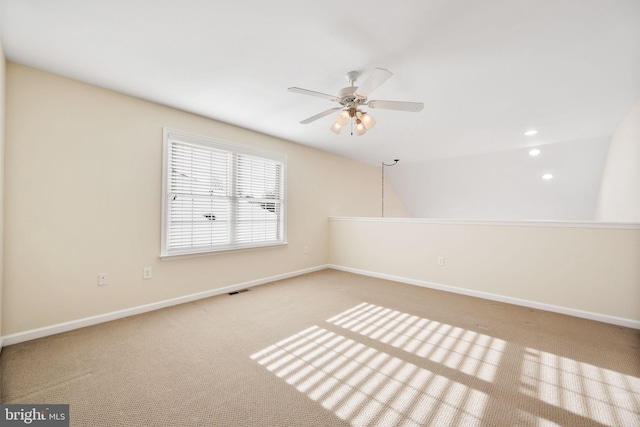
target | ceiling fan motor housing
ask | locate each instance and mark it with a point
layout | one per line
(348, 97)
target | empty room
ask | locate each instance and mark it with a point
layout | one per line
(285, 213)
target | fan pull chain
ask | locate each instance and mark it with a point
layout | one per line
(395, 162)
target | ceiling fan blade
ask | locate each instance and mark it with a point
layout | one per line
(397, 105)
(320, 115)
(375, 79)
(313, 93)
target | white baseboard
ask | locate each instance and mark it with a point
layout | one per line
(629, 323)
(101, 318)
(93, 320)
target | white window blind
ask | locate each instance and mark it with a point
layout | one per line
(220, 196)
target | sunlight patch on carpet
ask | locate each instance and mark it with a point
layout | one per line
(366, 386)
(608, 397)
(458, 376)
(466, 351)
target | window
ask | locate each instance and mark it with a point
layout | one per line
(220, 196)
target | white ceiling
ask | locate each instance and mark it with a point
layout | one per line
(485, 70)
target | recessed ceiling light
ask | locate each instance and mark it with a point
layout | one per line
(531, 132)
(534, 152)
(547, 176)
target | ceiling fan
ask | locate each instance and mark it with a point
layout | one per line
(352, 98)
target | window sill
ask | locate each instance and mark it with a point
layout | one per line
(220, 251)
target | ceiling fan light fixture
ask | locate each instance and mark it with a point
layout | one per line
(360, 128)
(343, 118)
(336, 127)
(367, 121)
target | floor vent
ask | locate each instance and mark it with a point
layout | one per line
(238, 292)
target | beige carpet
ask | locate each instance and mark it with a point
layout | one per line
(335, 349)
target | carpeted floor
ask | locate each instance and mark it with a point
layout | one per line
(335, 349)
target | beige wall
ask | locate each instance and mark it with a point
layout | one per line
(619, 198)
(83, 197)
(595, 270)
(2, 120)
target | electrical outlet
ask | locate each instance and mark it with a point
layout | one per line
(441, 261)
(146, 273)
(102, 279)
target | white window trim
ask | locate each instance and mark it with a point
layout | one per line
(168, 135)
